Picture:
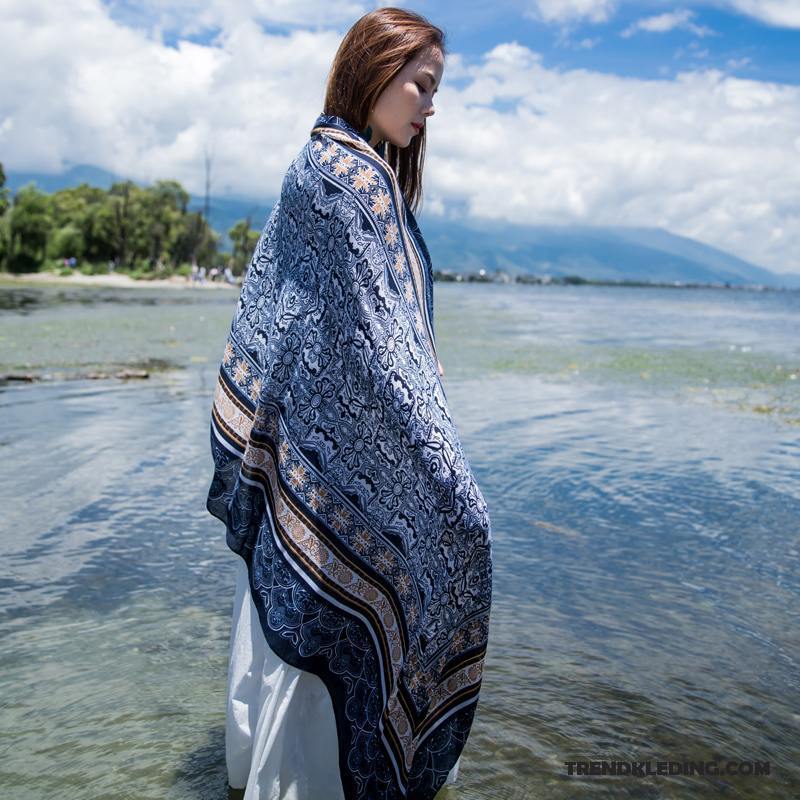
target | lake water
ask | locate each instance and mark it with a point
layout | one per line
(639, 450)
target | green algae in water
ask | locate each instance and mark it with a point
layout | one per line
(558, 334)
(156, 331)
(597, 336)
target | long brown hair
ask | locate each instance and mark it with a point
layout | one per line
(372, 52)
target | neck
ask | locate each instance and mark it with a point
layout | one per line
(372, 136)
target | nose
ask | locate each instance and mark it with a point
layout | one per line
(429, 111)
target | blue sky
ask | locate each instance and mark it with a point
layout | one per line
(681, 116)
(719, 37)
(772, 53)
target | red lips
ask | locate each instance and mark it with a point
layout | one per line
(417, 127)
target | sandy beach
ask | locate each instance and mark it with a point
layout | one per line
(112, 279)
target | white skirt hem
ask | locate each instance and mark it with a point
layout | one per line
(280, 730)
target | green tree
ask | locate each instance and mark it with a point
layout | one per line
(29, 228)
(145, 228)
(74, 212)
(208, 244)
(3, 191)
(66, 242)
(164, 207)
(196, 240)
(4, 220)
(118, 216)
(244, 240)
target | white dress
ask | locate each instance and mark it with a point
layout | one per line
(280, 731)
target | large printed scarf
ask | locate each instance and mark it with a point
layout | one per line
(340, 476)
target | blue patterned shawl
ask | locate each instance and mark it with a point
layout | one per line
(340, 476)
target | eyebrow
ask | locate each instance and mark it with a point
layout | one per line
(431, 76)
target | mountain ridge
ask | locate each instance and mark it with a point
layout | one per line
(608, 253)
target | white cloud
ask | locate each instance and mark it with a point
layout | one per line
(189, 17)
(567, 11)
(662, 23)
(779, 13)
(705, 155)
(83, 88)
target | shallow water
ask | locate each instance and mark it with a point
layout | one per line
(638, 450)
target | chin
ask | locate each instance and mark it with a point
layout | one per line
(403, 142)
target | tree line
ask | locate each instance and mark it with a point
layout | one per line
(146, 231)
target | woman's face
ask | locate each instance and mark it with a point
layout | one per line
(407, 100)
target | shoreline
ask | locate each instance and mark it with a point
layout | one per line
(112, 280)
(122, 281)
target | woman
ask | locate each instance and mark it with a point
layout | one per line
(362, 606)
